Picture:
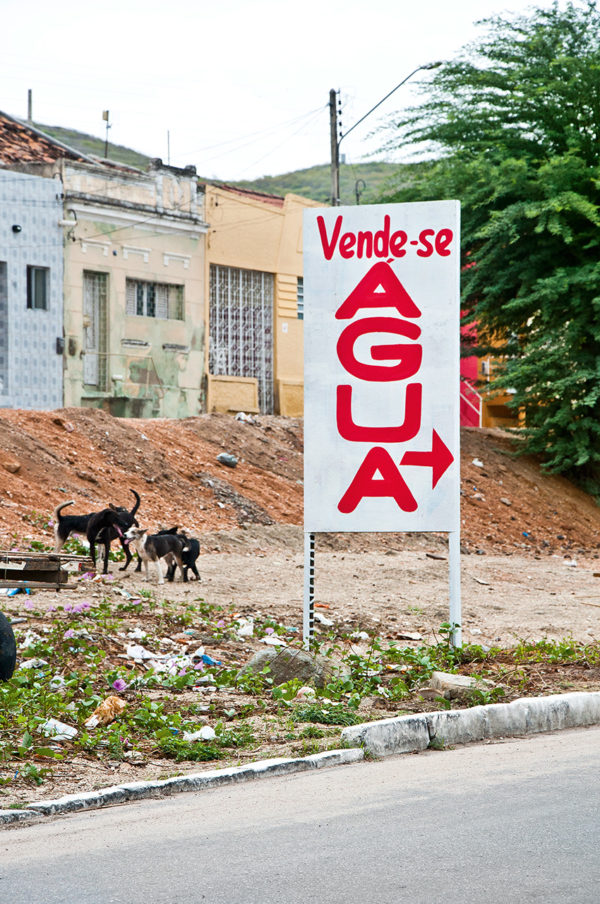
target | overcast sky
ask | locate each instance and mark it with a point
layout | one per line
(238, 88)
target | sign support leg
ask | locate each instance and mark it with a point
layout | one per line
(455, 605)
(308, 621)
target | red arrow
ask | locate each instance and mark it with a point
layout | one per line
(439, 459)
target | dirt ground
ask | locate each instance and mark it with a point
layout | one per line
(530, 542)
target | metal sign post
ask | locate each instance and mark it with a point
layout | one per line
(308, 621)
(381, 377)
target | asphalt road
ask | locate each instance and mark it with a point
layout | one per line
(516, 821)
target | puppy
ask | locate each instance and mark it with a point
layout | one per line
(154, 547)
(111, 524)
(189, 554)
(8, 649)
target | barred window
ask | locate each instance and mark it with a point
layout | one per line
(149, 299)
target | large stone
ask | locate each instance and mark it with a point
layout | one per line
(458, 687)
(287, 664)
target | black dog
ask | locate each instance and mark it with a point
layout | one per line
(64, 525)
(189, 554)
(68, 524)
(111, 524)
(8, 649)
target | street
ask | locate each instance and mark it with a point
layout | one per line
(511, 821)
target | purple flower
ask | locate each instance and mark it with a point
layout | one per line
(119, 684)
(68, 634)
(269, 630)
(81, 607)
(220, 623)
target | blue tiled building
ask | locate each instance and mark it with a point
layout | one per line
(31, 291)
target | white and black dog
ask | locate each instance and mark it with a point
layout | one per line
(189, 554)
(154, 547)
(105, 526)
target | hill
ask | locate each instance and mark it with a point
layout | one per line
(369, 180)
(360, 183)
(93, 146)
(49, 457)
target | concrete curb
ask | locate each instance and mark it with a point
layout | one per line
(407, 734)
(132, 791)
(403, 734)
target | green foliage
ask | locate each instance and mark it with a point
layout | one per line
(326, 714)
(511, 128)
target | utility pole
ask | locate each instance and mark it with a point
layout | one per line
(106, 117)
(29, 105)
(333, 126)
(335, 150)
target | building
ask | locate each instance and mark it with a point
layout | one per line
(134, 289)
(131, 244)
(31, 292)
(254, 307)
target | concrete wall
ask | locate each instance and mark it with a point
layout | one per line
(30, 368)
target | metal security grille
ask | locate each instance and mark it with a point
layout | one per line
(241, 327)
(95, 287)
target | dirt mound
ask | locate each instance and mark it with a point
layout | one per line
(86, 455)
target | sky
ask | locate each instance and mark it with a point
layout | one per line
(240, 89)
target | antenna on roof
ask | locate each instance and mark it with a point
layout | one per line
(106, 117)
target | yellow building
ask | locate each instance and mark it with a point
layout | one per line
(254, 307)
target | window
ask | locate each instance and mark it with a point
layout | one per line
(37, 287)
(300, 298)
(148, 299)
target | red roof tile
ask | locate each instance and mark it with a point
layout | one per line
(20, 143)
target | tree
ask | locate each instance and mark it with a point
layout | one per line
(512, 129)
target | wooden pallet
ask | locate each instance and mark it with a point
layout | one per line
(38, 570)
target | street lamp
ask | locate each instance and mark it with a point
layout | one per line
(335, 141)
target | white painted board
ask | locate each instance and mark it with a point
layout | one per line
(381, 367)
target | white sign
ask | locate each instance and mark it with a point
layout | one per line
(381, 368)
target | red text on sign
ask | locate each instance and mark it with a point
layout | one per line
(390, 483)
(409, 357)
(408, 429)
(382, 243)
